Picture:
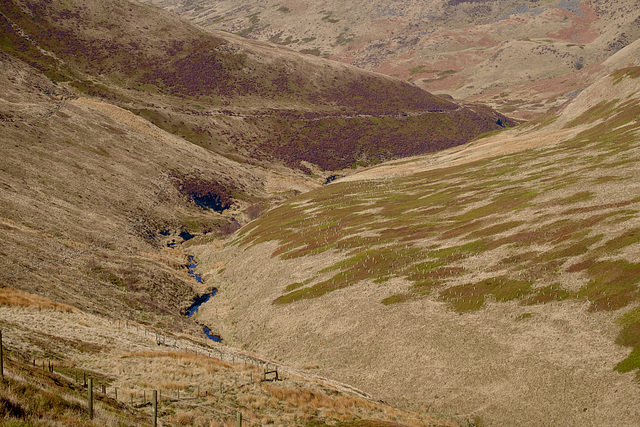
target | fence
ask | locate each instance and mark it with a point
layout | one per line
(68, 369)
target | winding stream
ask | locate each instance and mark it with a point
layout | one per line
(198, 301)
(192, 271)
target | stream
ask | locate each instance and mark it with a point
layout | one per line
(199, 300)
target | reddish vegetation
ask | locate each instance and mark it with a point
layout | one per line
(206, 193)
(336, 132)
(581, 30)
(337, 143)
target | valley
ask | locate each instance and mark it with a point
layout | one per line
(410, 213)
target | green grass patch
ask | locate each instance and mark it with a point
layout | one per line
(344, 39)
(472, 296)
(314, 51)
(629, 72)
(465, 228)
(416, 70)
(328, 17)
(398, 298)
(631, 362)
(495, 229)
(293, 287)
(254, 18)
(524, 316)
(547, 294)
(627, 238)
(460, 251)
(581, 196)
(572, 249)
(612, 284)
(510, 201)
(599, 111)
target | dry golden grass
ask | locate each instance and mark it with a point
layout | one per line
(227, 387)
(181, 357)
(33, 397)
(16, 298)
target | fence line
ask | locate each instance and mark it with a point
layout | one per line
(226, 354)
(131, 386)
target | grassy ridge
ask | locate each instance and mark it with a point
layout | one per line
(523, 227)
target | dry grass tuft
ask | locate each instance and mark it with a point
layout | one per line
(15, 298)
(181, 356)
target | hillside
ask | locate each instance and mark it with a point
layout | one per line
(469, 49)
(493, 280)
(199, 385)
(497, 281)
(248, 101)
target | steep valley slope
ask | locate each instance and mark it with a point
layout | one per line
(495, 282)
(250, 102)
(520, 56)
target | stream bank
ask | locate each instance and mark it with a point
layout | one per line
(199, 300)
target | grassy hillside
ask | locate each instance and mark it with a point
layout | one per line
(496, 284)
(127, 132)
(88, 190)
(51, 350)
(226, 94)
(501, 271)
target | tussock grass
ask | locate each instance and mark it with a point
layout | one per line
(228, 387)
(16, 298)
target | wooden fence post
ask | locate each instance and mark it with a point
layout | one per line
(239, 419)
(90, 398)
(154, 406)
(116, 390)
(1, 357)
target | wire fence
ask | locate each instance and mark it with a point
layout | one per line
(143, 392)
